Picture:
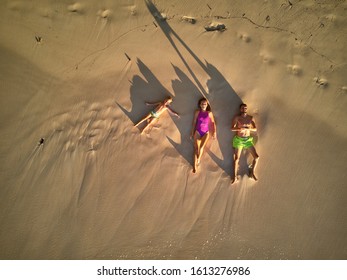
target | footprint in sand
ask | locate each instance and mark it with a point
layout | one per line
(189, 19)
(322, 82)
(215, 26)
(294, 69)
(45, 12)
(301, 48)
(133, 10)
(334, 20)
(15, 5)
(86, 126)
(244, 37)
(75, 8)
(106, 14)
(331, 17)
(267, 59)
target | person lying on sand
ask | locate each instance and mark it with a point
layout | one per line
(202, 123)
(243, 124)
(155, 113)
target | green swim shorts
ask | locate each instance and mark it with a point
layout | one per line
(154, 115)
(242, 142)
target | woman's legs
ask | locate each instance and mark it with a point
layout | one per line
(203, 143)
(196, 150)
(199, 145)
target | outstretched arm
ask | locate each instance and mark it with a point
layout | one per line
(155, 103)
(172, 111)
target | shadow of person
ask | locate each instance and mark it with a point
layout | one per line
(170, 34)
(223, 99)
(186, 99)
(142, 90)
(225, 103)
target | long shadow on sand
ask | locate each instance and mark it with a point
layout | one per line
(186, 99)
(144, 90)
(222, 97)
(170, 34)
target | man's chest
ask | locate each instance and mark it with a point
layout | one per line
(244, 120)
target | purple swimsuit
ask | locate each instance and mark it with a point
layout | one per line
(203, 123)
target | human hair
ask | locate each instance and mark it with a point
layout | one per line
(243, 104)
(208, 104)
(168, 99)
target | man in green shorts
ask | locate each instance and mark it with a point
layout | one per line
(243, 124)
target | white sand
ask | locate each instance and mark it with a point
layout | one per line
(97, 189)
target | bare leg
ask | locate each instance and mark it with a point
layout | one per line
(237, 154)
(149, 122)
(195, 167)
(204, 140)
(197, 143)
(254, 163)
(145, 118)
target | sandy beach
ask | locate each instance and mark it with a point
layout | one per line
(79, 181)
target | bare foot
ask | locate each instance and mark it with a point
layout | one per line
(252, 176)
(234, 180)
(195, 169)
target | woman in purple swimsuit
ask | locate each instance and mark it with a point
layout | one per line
(202, 124)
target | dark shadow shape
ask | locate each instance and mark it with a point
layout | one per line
(169, 33)
(223, 99)
(186, 99)
(185, 149)
(186, 94)
(225, 103)
(144, 90)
